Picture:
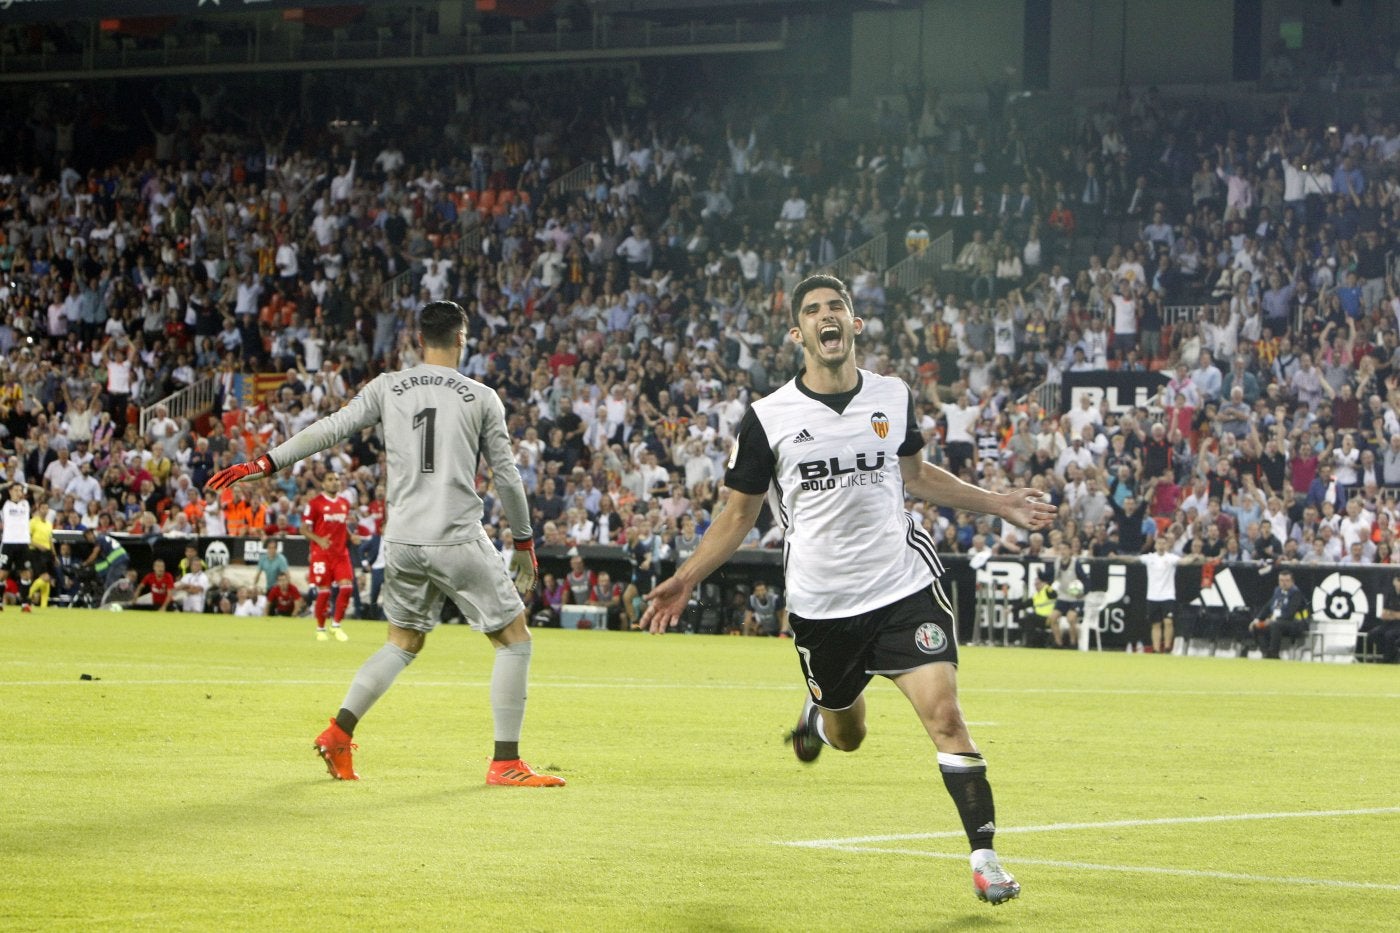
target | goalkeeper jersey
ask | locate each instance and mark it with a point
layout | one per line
(437, 425)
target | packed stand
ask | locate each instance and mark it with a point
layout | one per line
(629, 322)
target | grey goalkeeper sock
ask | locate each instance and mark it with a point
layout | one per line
(375, 677)
(508, 677)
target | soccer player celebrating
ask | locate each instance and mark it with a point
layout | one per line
(837, 449)
(325, 525)
(437, 424)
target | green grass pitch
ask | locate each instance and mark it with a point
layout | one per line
(1134, 792)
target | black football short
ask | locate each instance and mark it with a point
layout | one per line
(13, 557)
(1159, 610)
(839, 656)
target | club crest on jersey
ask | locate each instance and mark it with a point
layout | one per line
(930, 639)
(880, 424)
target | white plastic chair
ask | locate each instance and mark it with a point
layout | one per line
(1089, 631)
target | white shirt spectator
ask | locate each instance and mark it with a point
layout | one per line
(1352, 530)
(1344, 464)
(249, 292)
(960, 421)
(286, 261)
(1081, 417)
(1075, 453)
(191, 589)
(390, 159)
(84, 489)
(342, 185)
(60, 473)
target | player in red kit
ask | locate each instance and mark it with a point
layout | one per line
(325, 523)
(284, 599)
(159, 582)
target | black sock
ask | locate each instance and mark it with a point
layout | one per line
(965, 776)
(347, 721)
(506, 751)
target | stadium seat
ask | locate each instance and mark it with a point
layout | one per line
(1329, 640)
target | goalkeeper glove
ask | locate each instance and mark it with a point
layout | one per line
(256, 468)
(524, 566)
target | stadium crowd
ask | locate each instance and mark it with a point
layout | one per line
(628, 321)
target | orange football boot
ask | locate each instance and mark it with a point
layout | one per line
(517, 773)
(335, 748)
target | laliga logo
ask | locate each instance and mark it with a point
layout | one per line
(1340, 598)
(216, 554)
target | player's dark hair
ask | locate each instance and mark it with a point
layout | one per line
(819, 280)
(439, 322)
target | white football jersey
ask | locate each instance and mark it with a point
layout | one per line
(16, 521)
(830, 467)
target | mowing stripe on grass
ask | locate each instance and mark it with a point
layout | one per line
(1134, 869)
(855, 843)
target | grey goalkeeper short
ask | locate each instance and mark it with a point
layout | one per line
(418, 577)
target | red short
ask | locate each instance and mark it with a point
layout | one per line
(327, 568)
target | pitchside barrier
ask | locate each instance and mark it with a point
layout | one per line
(990, 600)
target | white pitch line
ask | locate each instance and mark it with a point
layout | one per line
(644, 685)
(1137, 869)
(1114, 824)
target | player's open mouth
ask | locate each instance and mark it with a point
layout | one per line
(830, 337)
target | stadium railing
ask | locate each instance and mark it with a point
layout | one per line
(1046, 395)
(872, 254)
(390, 288)
(1175, 314)
(579, 178)
(912, 272)
(190, 402)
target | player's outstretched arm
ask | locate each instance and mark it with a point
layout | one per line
(667, 601)
(361, 412)
(1024, 508)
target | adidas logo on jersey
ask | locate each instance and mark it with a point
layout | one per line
(803, 437)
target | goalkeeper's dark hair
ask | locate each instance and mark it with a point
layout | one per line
(812, 282)
(439, 322)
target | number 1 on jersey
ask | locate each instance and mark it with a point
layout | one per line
(424, 419)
